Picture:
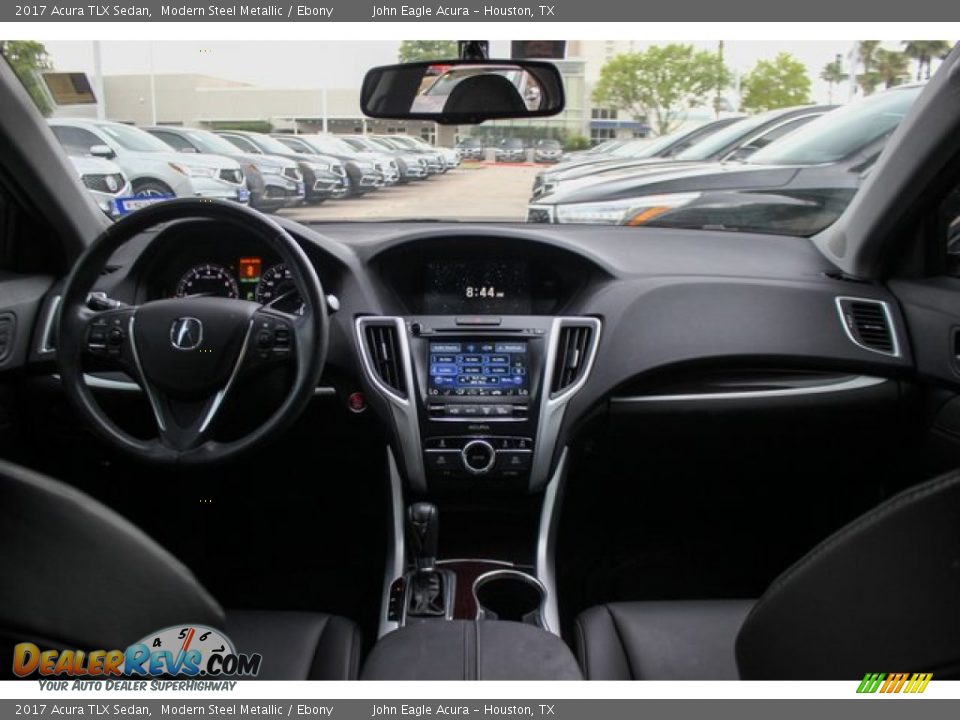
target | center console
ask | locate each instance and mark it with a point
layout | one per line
(479, 385)
(477, 398)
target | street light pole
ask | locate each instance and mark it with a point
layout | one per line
(98, 81)
(153, 88)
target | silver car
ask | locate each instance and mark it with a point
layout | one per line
(153, 168)
(104, 179)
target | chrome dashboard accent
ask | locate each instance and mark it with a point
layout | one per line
(840, 299)
(552, 407)
(403, 409)
(396, 550)
(546, 544)
(46, 342)
(857, 382)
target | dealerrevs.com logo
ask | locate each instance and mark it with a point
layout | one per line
(180, 651)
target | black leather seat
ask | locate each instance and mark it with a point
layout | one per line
(881, 594)
(485, 93)
(77, 575)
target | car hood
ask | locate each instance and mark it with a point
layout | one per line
(568, 165)
(312, 158)
(607, 167)
(220, 162)
(661, 180)
(93, 166)
(267, 160)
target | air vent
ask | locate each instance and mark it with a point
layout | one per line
(868, 324)
(384, 347)
(573, 346)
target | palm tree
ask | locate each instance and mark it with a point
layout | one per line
(833, 74)
(869, 79)
(924, 52)
(892, 66)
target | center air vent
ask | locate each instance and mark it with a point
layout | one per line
(868, 324)
(573, 349)
(383, 344)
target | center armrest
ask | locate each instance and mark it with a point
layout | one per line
(470, 650)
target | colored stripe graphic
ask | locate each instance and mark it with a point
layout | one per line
(891, 683)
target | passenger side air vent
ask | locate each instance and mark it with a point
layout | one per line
(868, 323)
(573, 350)
(383, 344)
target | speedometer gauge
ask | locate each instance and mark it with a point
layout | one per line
(278, 288)
(208, 280)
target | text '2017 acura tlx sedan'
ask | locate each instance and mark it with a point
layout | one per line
(429, 449)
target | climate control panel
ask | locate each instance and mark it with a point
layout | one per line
(478, 456)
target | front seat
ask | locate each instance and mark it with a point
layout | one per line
(78, 576)
(490, 93)
(880, 595)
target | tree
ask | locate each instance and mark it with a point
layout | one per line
(869, 80)
(661, 83)
(892, 66)
(923, 52)
(28, 59)
(420, 50)
(833, 75)
(771, 84)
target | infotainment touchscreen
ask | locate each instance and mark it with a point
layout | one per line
(479, 368)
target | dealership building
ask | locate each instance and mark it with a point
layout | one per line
(195, 100)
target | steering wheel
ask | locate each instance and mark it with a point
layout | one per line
(188, 354)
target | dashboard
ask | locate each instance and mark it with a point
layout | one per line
(497, 341)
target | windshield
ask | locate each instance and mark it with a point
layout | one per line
(716, 142)
(210, 143)
(842, 132)
(232, 99)
(134, 139)
(269, 145)
(331, 145)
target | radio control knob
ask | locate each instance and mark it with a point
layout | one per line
(478, 457)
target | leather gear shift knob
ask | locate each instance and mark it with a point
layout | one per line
(423, 529)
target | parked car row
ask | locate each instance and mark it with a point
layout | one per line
(512, 150)
(790, 171)
(123, 165)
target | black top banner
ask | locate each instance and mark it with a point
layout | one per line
(482, 11)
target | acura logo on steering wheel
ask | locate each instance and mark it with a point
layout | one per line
(186, 333)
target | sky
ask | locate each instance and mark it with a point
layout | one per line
(342, 64)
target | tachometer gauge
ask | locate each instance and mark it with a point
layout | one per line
(208, 280)
(277, 287)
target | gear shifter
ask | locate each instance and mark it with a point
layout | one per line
(428, 586)
(423, 527)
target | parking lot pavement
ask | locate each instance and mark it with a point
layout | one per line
(478, 192)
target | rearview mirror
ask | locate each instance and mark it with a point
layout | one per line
(102, 151)
(463, 92)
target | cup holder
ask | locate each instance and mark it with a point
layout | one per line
(509, 595)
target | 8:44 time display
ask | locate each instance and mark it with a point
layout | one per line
(483, 291)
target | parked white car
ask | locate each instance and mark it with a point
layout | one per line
(153, 168)
(104, 179)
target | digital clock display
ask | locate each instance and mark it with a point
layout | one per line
(477, 287)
